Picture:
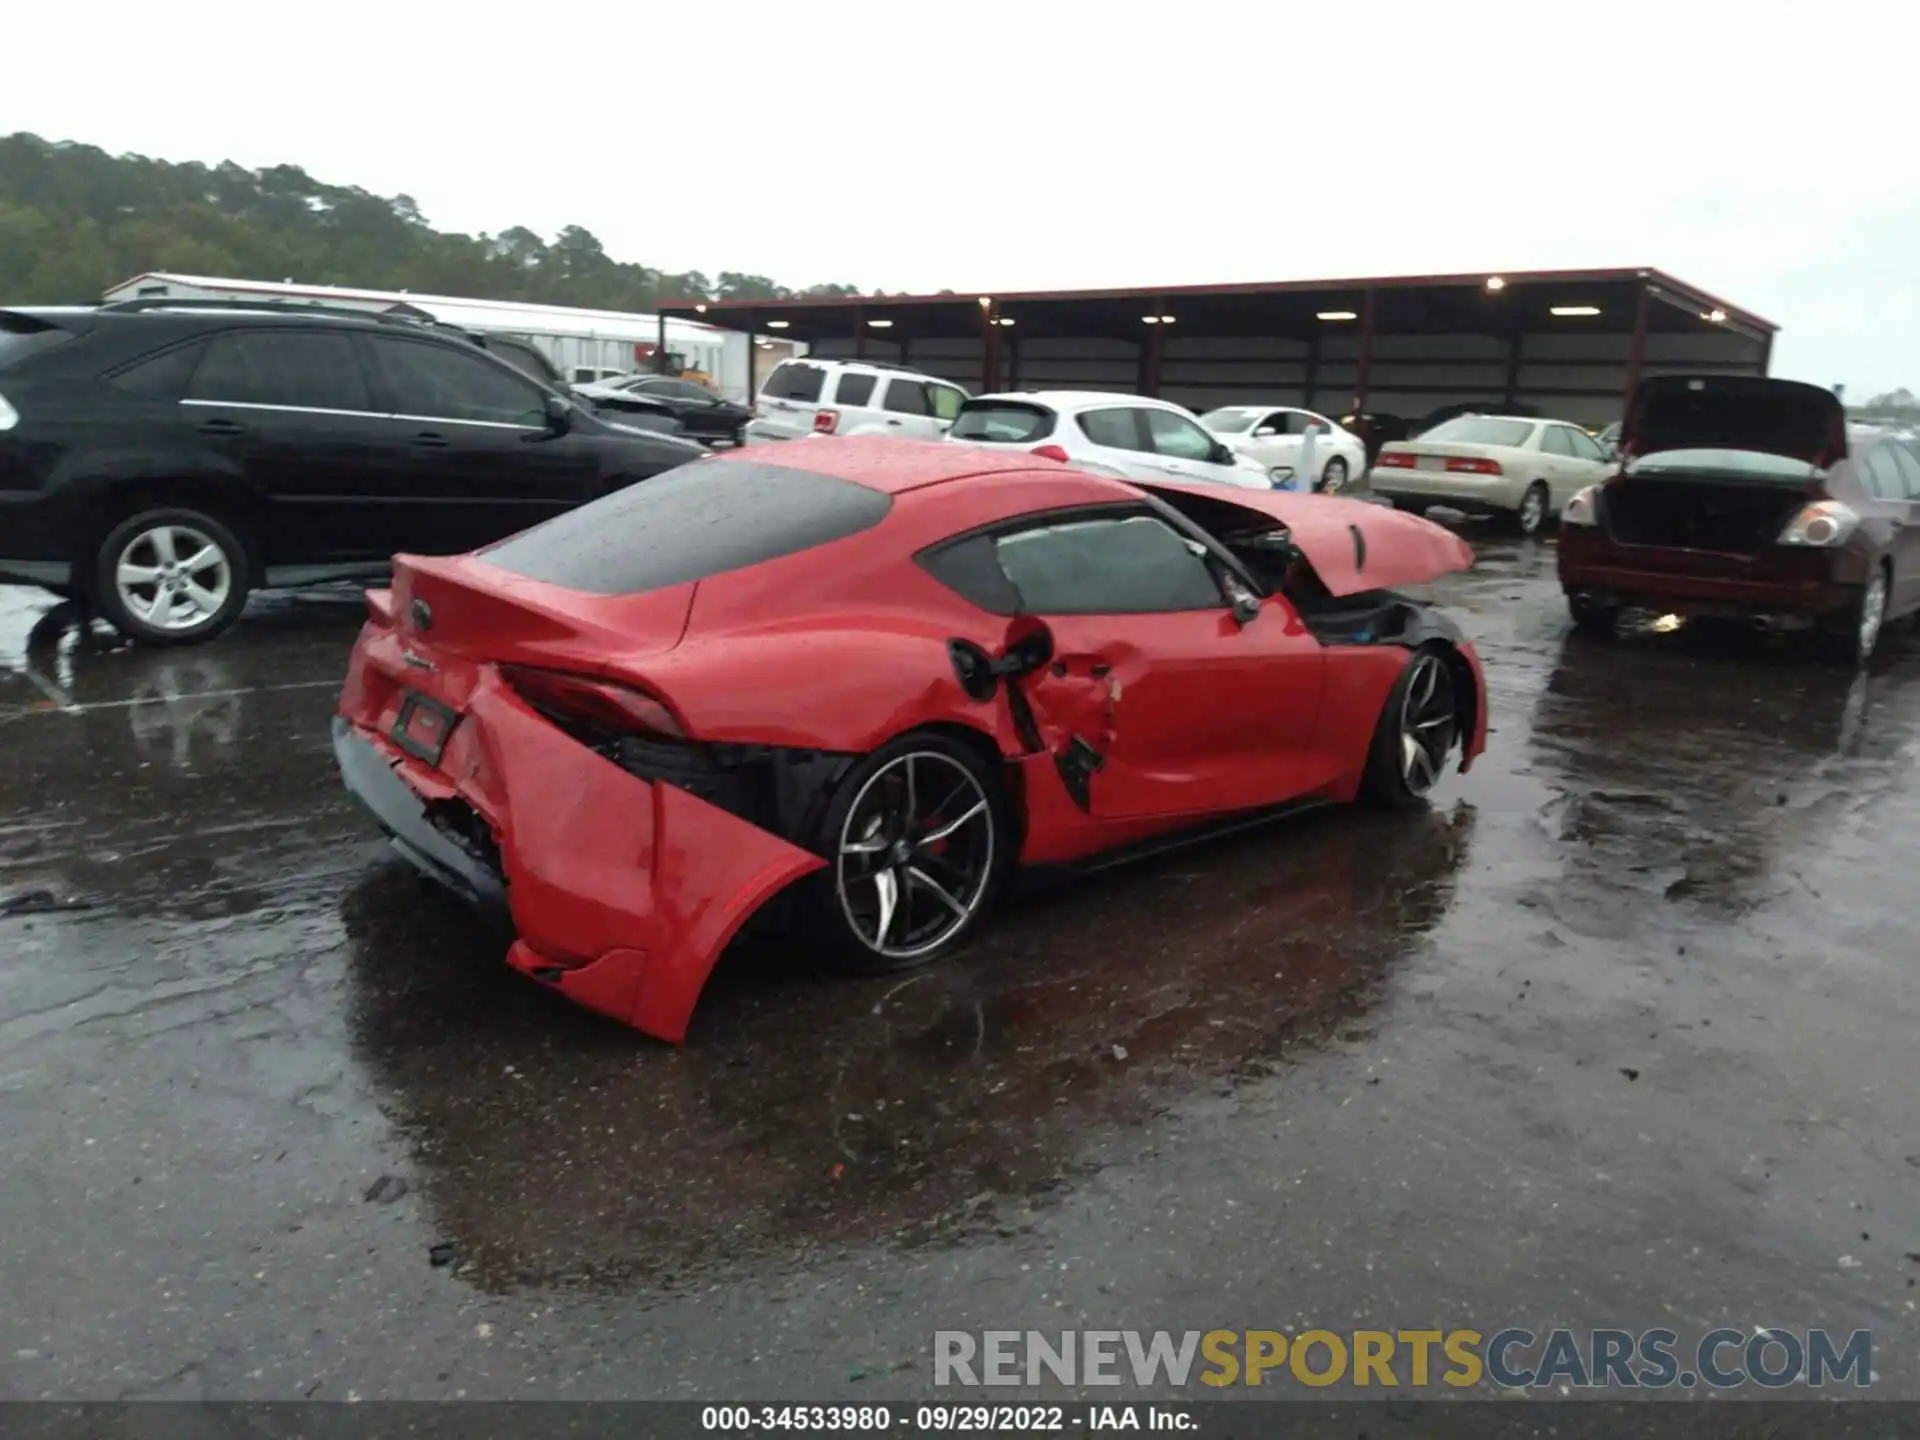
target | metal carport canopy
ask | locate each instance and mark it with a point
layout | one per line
(1399, 344)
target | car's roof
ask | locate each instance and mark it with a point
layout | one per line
(889, 465)
(1515, 419)
(1070, 401)
(879, 367)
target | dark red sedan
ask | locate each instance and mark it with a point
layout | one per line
(870, 680)
(1748, 498)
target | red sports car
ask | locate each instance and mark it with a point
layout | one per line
(869, 680)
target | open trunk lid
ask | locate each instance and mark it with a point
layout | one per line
(1735, 412)
(1353, 546)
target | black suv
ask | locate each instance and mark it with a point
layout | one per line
(161, 459)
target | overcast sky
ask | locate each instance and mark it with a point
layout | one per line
(1766, 153)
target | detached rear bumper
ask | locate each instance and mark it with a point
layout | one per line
(624, 891)
(402, 812)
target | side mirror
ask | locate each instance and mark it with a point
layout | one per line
(1244, 603)
(1029, 646)
(1222, 454)
(559, 414)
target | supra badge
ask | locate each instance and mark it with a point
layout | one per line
(421, 614)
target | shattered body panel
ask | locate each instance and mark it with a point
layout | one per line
(629, 857)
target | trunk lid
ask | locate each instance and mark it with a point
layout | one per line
(1735, 412)
(1434, 454)
(461, 606)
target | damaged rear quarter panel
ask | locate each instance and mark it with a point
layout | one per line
(607, 872)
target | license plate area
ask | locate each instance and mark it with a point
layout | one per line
(1433, 462)
(423, 727)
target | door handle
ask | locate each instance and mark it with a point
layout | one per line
(429, 440)
(893, 422)
(221, 427)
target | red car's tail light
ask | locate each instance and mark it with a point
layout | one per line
(1051, 452)
(1465, 465)
(825, 422)
(1392, 460)
(596, 702)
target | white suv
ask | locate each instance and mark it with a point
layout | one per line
(852, 397)
(1126, 436)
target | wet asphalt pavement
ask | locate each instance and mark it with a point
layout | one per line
(1621, 1033)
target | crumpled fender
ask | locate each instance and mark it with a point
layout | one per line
(625, 893)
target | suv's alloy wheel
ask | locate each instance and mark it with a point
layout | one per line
(171, 577)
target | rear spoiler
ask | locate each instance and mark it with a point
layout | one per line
(38, 322)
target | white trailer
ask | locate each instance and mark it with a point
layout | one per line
(582, 344)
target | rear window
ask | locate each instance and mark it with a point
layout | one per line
(1002, 422)
(1743, 463)
(791, 380)
(702, 519)
(1478, 430)
(1231, 421)
(20, 338)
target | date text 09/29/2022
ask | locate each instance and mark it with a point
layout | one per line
(944, 1419)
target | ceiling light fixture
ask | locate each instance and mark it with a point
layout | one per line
(1149, 319)
(701, 308)
(881, 324)
(1337, 315)
(1714, 317)
(1003, 320)
(778, 324)
(1575, 309)
(1495, 282)
(986, 302)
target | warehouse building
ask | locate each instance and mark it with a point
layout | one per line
(1571, 344)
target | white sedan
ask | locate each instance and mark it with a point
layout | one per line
(1126, 436)
(1497, 464)
(1275, 435)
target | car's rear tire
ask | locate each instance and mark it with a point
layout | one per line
(171, 575)
(1852, 636)
(1333, 479)
(1418, 729)
(1592, 618)
(1535, 510)
(918, 843)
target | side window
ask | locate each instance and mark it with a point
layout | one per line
(164, 376)
(1883, 475)
(1909, 464)
(853, 389)
(1554, 441)
(1106, 565)
(1178, 437)
(1296, 423)
(299, 369)
(435, 382)
(972, 568)
(1585, 447)
(907, 397)
(1117, 429)
(685, 390)
(791, 380)
(946, 401)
